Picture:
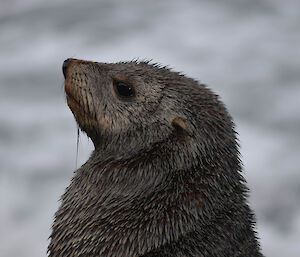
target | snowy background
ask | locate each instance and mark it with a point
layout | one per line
(248, 51)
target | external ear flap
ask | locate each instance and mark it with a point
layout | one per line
(181, 127)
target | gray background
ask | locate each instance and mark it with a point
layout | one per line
(248, 51)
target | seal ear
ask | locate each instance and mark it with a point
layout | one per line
(181, 127)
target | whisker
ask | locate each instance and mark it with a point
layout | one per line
(87, 102)
(95, 111)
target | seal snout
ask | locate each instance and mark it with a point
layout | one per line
(65, 66)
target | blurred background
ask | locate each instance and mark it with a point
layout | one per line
(247, 51)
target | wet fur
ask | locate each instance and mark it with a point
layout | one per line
(165, 176)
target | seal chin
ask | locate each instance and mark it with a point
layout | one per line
(81, 103)
(73, 104)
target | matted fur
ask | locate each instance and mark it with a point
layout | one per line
(165, 176)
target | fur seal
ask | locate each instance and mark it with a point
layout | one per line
(165, 177)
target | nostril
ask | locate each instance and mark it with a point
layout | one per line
(65, 66)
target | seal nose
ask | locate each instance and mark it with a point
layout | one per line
(65, 66)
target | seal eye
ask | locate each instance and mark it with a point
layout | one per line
(123, 89)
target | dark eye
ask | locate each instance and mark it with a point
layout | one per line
(123, 89)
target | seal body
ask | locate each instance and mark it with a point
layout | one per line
(165, 176)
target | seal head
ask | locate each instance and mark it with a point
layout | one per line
(161, 104)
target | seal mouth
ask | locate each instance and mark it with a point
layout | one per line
(72, 102)
(80, 100)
